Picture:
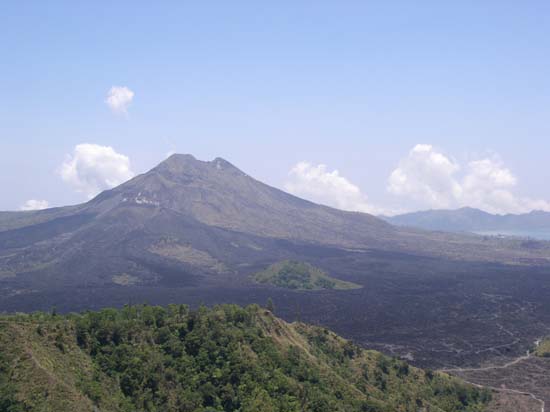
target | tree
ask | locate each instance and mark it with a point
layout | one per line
(258, 401)
(270, 306)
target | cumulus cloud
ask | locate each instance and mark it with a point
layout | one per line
(34, 204)
(92, 168)
(119, 98)
(317, 184)
(426, 175)
(432, 179)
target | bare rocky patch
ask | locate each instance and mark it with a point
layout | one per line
(187, 254)
(124, 279)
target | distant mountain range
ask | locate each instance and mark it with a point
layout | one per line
(534, 224)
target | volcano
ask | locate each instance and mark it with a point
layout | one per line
(201, 218)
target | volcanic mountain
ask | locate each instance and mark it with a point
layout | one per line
(200, 218)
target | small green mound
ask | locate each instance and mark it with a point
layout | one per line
(543, 348)
(300, 276)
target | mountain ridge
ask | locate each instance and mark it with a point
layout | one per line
(469, 219)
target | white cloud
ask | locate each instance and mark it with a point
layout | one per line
(34, 204)
(319, 185)
(119, 98)
(426, 175)
(93, 168)
(431, 179)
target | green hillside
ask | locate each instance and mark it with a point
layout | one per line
(300, 275)
(144, 358)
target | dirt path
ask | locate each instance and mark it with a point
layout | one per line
(488, 368)
(517, 360)
(513, 391)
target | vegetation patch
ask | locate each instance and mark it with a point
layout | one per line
(292, 274)
(224, 359)
(543, 348)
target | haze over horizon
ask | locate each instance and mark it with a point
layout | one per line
(375, 108)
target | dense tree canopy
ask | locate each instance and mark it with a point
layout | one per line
(228, 358)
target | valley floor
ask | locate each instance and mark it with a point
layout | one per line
(437, 314)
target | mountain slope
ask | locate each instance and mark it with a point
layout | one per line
(217, 194)
(202, 218)
(197, 209)
(226, 358)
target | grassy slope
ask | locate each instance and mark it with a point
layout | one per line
(42, 368)
(302, 276)
(224, 359)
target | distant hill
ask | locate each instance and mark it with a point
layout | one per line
(146, 358)
(535, 224)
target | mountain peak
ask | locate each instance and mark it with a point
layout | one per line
(472, 211)
(178, 164)
(180, 157)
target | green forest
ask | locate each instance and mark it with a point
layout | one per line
(225, 358)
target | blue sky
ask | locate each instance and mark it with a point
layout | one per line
(356, 86)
